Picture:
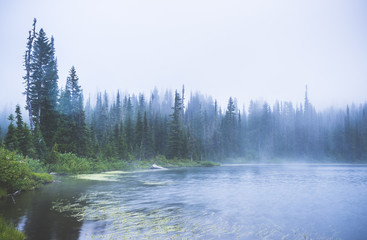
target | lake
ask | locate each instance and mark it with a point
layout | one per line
(252, 201)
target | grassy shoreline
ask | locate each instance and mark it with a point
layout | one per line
(69, 164)
(18, 173)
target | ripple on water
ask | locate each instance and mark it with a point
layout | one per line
(242, 202)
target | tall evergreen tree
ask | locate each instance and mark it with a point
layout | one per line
(28, 69)
(42, 89)
(147, 141)
(176, 137)
(11, 140)
(23, 134)
(139, 132)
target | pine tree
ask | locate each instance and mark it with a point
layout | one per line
(176, 137)
(229, 128)
(27, 77)
(11, 140)
(120, 141)
(138, 137)
(49, 115)
(23, 134)
(129, 129)
(42, 89)
(73, 133)
(147, 140)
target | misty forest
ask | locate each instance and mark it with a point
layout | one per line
(175, 164)
(128, 126)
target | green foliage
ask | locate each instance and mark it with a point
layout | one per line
(35, 165)
(3, 192)
(15, 173)
(68, 163)
(11, 140)
(209, 164)
(8, 232)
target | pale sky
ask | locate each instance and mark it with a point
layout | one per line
(263, 49)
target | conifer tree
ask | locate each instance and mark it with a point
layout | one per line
(28, 69)
(139, 132)
(41, 88)
(23, 134)
(147, 140)
(175, 138)
(11, 140)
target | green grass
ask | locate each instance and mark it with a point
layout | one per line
(8, 232)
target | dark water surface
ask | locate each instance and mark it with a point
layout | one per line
(227, 202)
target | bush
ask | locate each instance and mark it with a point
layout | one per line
(15, 173)
(35, 165)
(9, 232)
(69, 163)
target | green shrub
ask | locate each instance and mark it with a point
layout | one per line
(8, 232)
(35, 165)
(15, 173)
(69, 163)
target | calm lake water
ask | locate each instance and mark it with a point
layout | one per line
(226, 202)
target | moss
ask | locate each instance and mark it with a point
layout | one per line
(9, 232)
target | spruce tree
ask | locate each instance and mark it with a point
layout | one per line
(23, 135)
(138, 137)
(147, 140)
(11, 140)
(28, 69)
(176, 138)
(41, 86)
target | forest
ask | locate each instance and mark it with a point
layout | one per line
(174, 125)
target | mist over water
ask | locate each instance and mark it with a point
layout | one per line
(252, 201)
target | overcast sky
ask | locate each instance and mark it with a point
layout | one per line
(246, 49)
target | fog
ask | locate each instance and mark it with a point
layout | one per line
(244, 49)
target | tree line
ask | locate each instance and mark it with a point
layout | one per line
(129, 126)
